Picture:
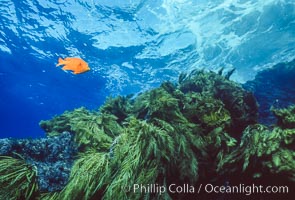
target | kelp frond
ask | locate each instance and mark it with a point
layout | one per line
(92, 130)
(89, 177)
(17, 179)
(285, 116)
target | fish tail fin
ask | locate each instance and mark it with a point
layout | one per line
(60, 62)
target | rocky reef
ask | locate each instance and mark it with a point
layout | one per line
(51, 157)
(201, 130)
(273, 87)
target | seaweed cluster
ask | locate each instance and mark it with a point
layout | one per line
(16, 172)
(201, 130)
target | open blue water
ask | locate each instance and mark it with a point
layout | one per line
(130, 45)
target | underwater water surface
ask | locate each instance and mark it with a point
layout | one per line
(131, 46)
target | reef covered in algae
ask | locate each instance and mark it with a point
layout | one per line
(200, 130)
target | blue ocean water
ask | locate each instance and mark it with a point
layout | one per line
(130, 46)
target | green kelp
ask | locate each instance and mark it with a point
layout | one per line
(89, 176)
(286, 117)
(17, 179)
(241, 104)
(264, 154)
(91, 130)
(118, 106)
(137, 158)
(201, 130)
(205, 110)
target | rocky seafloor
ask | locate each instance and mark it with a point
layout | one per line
(203, 129)
(52, 156)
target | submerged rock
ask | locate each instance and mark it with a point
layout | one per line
(52, 156)
(273, 87)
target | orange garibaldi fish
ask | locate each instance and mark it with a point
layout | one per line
(77, 65)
